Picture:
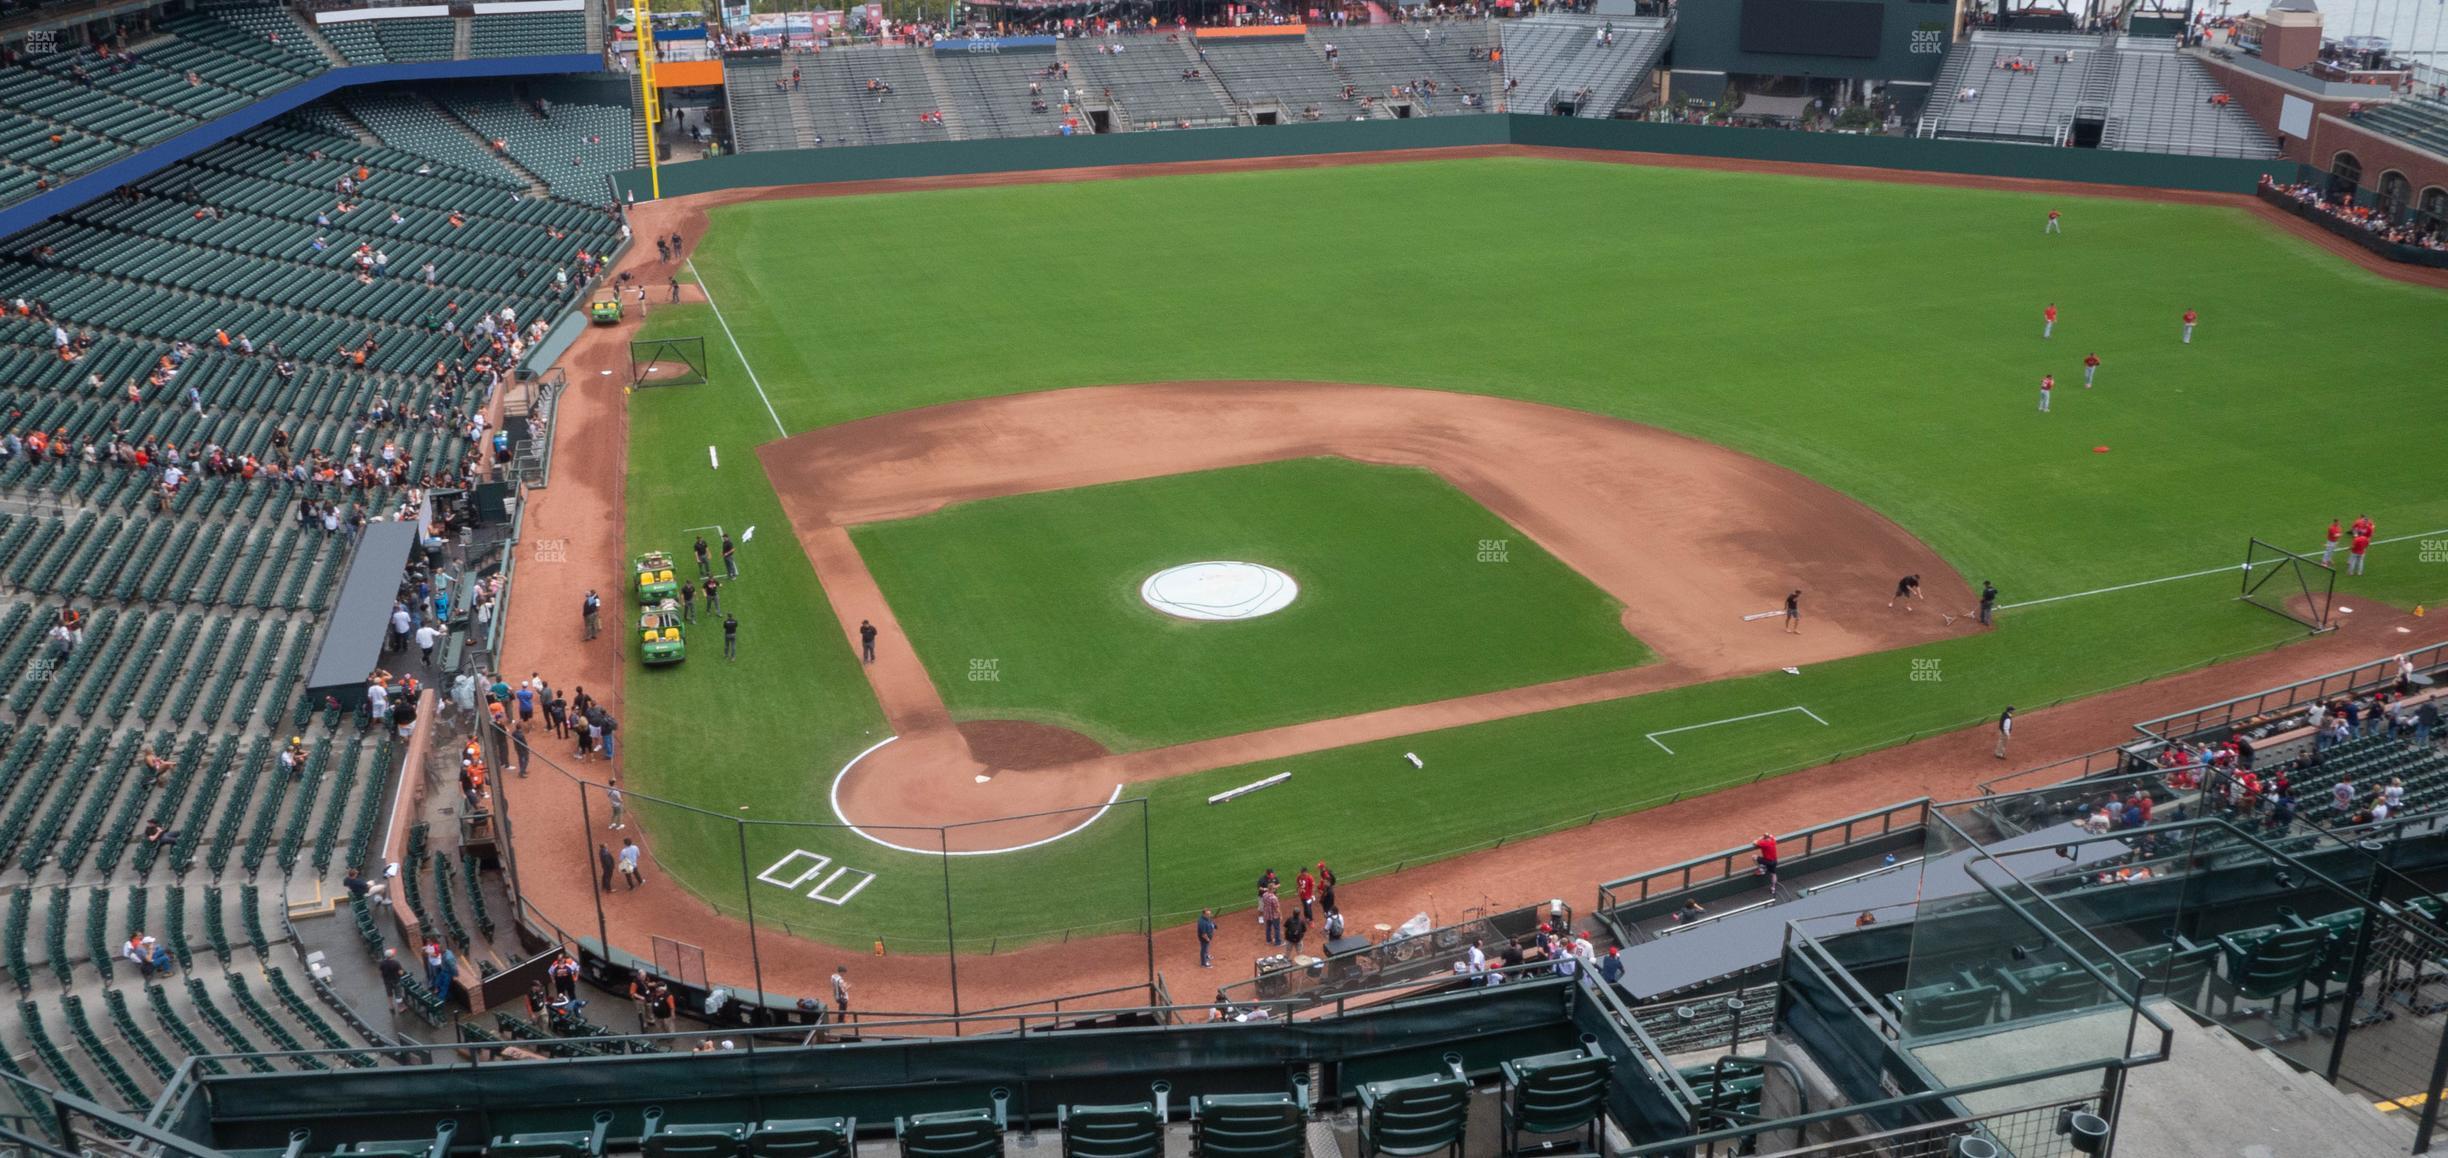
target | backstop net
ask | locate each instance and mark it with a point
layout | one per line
(2299, 587)
(667, 361)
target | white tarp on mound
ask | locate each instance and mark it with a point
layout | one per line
(1218, 589)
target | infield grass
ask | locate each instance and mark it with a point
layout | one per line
(1396, 605)
(1883, 339)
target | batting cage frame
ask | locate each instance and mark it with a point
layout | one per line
(677, 361)
(2273, 576)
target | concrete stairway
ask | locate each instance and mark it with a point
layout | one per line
(2217, 1097)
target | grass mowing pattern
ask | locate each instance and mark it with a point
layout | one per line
(1395, 606)
(1883, 339)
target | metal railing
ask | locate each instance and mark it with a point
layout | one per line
(62, 1125)
(2221, 717)
(1736, 862)
(1427, 956)
(531, 468)
(2030, 1131)
(2057, 772)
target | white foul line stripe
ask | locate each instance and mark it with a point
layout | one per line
(844, 774)
(735, 348)
(2199, 574)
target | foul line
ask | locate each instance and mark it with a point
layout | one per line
(735, 348)
(1653, 736)
(844, 774)
(2198, 574)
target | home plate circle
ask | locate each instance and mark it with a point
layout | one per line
(1218, 590)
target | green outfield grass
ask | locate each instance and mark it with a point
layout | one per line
(1883, 339)
(1396, 607)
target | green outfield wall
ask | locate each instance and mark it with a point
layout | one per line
(1005, 155)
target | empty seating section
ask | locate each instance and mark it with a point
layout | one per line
(2032, 101)
(1553, 58)
(833, 99)
(65, 113)
(527, 34)
(2148, 95)
(2422, 120)
(276, 35)
(356, 39)
(990, 91)
(1433, 62)
(574, 145)
(1291, 73)
(2163, 105)
(1144, 74)
(407, 121)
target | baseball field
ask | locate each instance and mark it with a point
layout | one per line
(1534, 437)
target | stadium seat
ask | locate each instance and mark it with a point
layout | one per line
(298, 1141)
(954, 1133)
(1555, 1093)
(1725, 1091)
(1946, 1006)
(1135, 1130)
(2056, 987)
(1252, 1125)
(2268, 961)
(1419, 1115)
(702, 1140)
(438, 1147)
(2176, 968)
(804, 1138)
(587, 1143)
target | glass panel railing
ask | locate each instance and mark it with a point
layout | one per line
(1999, 978)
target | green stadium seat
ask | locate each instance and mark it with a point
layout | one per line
(587, 1143)
(2269, 961)
(438, 1147)
(1946, 1006)
(299, 1139)
(954, 1133)
(1252, 1125)
(700, 1140)
(804, 1138)
(2055, 987)
(1554, 1094)
(1135, 1130)
(2176, 968)
(1418, 1115)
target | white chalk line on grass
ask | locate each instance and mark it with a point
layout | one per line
(2443, 532)
(735, 348)
(1653, 736)
(844, 774)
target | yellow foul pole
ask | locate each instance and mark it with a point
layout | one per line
(652, 107)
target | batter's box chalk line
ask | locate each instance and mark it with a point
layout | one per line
(1653, 736)
(836, 888)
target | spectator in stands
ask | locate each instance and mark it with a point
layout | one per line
(391, 971)
(139, 949)
(359, 888)
(564, 974)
